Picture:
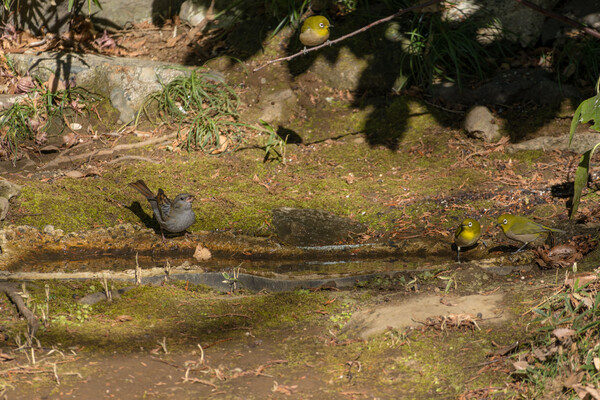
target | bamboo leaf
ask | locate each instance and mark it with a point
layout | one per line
(588, 110)
(581, 178)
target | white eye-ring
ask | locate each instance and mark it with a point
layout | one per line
(505, 221)
(470, 224)
(322, 25)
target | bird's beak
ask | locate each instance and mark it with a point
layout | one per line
(190, 198)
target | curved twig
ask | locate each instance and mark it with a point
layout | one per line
(111, 151)
(560, 18)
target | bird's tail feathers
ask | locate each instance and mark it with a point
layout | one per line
(141, 187)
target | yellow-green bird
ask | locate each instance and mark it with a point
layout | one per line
(314, 31)
(466, 235)
(523, 229)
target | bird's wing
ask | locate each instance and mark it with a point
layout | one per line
(458, 231)
(164, 204)
(528, 228)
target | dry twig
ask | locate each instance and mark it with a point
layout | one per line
(107, 152)
(11, 292)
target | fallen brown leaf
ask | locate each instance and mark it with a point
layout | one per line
(520, 365)
(583, 391)
(580, 279)
(573, 379)
(138, 44)
(70, 139)
(562, 250)
(504, 350)
(563, 334)
(329, 301)
(223, 144)
(349, 178)
(202, 253)
(284, 389)
(172, 41)
(74, 174)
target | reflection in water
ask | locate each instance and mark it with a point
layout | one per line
(259, 267)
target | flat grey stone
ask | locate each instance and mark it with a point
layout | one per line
(4, 206)
(126, 81)
(40, 17)
(9, 189)
(309, 227)
(7, 100)
(581, 143)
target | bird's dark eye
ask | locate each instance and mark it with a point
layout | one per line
(322, 25)
(505, 221)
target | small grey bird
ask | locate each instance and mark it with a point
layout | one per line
(172, 216)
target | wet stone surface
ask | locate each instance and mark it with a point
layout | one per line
(309, 227)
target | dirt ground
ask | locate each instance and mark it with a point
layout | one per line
(321, 346)
(436, 332)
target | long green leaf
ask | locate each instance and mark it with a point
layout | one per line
(588, 110)
(581, 178)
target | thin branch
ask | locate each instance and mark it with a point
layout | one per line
(107, 152)
(356, 32)
(11, 292)
(526, 3)
(138, 158)
(561, 18)
(228, 315)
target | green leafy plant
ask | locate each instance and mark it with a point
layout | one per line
(290, 12)
(96, 2)
(433, 49)
(576, 59)
(275, 145)
(341, 319)
(29, 117)
(565, 343)
(82, 312)
(232, 280)
(588, 110)
(203, 104)
(450, 282)
(79, 314)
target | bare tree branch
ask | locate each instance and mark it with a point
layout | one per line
(561, 18)
(356, 32)
(12, 292)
